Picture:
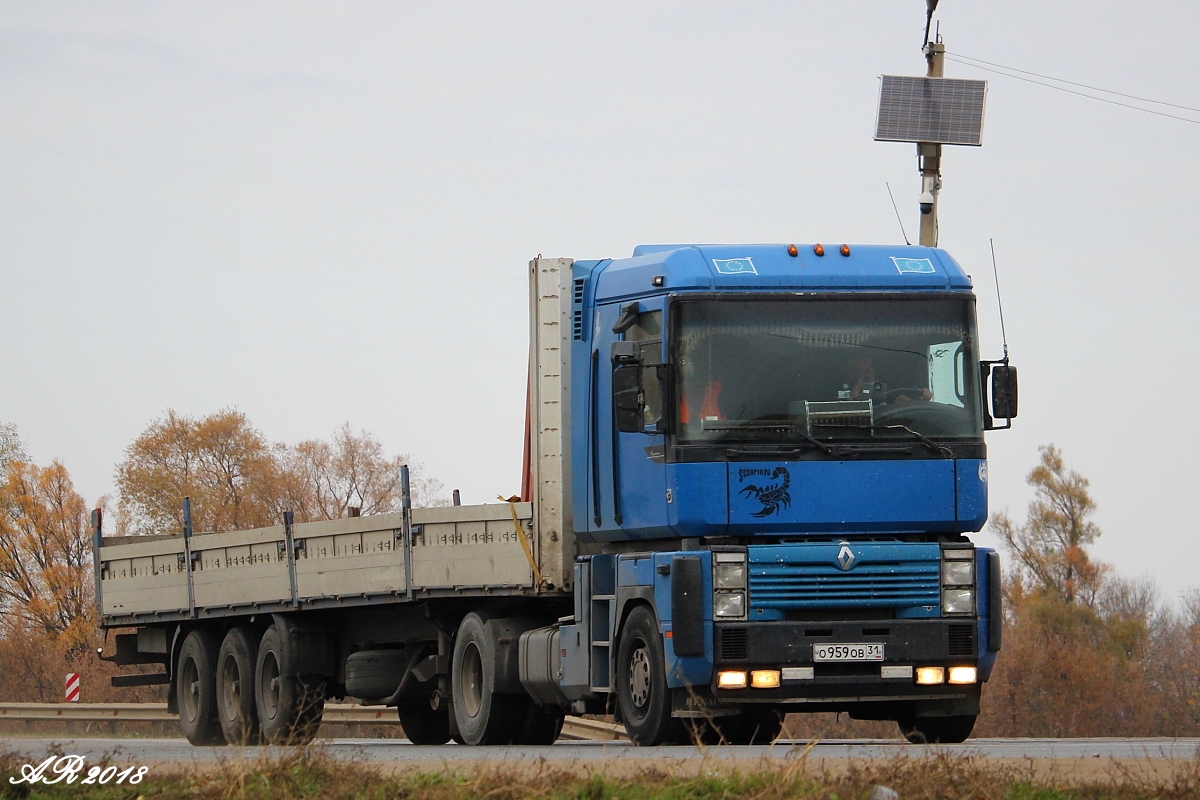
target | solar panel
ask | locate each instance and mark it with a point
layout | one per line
(935, 110)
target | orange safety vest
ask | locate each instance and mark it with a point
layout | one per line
(708, 407)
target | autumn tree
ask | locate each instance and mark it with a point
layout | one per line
(46, 581)
(220, 461)
(325, 478)
(1049, 548)
(11, 447)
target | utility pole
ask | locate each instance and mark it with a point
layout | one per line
(929, 155)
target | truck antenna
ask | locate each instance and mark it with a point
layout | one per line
(999, 304)
(897, 210)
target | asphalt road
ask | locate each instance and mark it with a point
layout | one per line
(399, 752)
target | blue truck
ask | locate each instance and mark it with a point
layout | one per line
(750, 476)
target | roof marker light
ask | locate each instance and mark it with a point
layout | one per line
(818, 249)
(844, 249)
(792, 251)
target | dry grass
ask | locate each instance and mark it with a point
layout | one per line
(310, 773)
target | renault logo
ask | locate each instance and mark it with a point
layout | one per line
(845, 557)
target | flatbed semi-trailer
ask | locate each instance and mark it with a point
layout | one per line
(719, 523)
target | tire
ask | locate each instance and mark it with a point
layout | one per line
(540, 726)
(752, 726)
(642, 694)
(237, 711)
(289, 706)
(196, 689)
(372, 674)
(483, 717)
(424, 724)
(937, 730)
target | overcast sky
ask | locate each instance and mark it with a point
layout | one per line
(318, 215)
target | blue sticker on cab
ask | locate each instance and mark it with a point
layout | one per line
(735, 266)
(918, 265)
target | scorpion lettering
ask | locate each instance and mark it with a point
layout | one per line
(773, 496)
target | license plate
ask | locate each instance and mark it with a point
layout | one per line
(870, 651)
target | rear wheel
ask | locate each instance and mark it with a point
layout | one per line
(642, 693)
(196, 689)
(424, 724)
(482, 716)
(937, 730)
(289, 706)
(235, 687)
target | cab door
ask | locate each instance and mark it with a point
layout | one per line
(626, 438)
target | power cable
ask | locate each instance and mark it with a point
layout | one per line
(1083, 94)
(1076, 83)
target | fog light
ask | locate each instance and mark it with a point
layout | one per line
(765, 679)
(962, 675)
(731, 680)
(930, 675)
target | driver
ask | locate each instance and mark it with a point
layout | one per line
(700, 397)
(859, 383)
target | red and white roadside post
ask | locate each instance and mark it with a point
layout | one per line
(72, 684)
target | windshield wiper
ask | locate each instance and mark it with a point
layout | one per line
(941, 450)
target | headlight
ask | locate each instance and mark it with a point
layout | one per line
(731, 576)
(729, 604)
(958, 573)
(958, 601)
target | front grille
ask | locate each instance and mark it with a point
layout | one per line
(733, 644)
(801, 586)
(962, 640)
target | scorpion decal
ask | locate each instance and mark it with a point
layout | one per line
(773, 496)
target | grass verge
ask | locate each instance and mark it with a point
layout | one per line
(310, 773)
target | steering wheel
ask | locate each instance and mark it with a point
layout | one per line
(911, 392)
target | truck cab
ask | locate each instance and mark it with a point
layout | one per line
(800, 428)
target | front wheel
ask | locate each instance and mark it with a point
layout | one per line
(642, 693)
(937, 730)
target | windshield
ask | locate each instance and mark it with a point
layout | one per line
(784, 371)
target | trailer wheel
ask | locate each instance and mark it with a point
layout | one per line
(424, 724)
(289, 706)
(236, 707)
(196, 689)
(937, 730)
(482, 715)
(642, 694)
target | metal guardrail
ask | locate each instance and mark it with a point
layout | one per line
(353, 716)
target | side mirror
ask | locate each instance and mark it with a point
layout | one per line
(1004, 391)
(628, 399)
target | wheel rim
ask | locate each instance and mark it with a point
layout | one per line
(231, 687)
(190, 683)
(472, 680)
(270, 688)
(639, 676)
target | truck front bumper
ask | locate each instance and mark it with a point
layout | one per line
(788, 647)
